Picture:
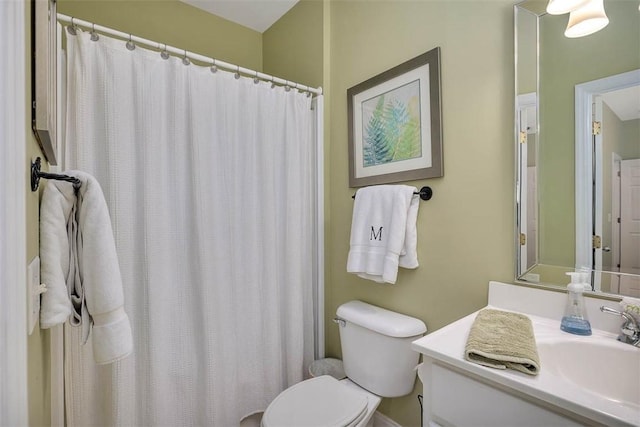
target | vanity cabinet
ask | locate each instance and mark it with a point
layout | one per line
(455, 399)
(464, 394)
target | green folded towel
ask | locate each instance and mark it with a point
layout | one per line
(502, 340)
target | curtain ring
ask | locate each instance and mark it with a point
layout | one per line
(287, 88)
(130, 44)
(94, 35)
(71, 29)
(214, 67)
(163, 52)
(256, 80)
(237, 75)
(185, 60)
(273, 83)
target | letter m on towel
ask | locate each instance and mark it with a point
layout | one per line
(375, 236)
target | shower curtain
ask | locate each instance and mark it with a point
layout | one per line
(209, 182)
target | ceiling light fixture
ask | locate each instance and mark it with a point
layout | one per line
(586, 20)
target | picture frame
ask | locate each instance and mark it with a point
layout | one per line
(395, 124)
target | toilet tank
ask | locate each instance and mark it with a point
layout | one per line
(376, 348)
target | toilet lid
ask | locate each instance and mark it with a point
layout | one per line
(317, 402)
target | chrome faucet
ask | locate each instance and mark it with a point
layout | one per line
(630, 330)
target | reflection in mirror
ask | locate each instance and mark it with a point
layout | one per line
(607, 208)
(566, 189)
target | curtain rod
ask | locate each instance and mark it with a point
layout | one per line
(185, 53)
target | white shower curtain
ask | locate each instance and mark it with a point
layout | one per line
(209, 182)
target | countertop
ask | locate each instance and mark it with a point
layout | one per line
(447, 344)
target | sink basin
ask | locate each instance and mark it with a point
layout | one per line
(607, 368)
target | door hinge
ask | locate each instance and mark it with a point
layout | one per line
(618, 220)
(597, 242)
(523, 137)
(596, 128)
(523, 239)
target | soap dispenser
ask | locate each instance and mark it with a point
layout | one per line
(575, 319)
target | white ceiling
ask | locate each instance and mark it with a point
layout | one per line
(624, 102)
(258, 15)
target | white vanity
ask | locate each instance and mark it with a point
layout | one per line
(591, 380)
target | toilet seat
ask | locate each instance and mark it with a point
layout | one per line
(318, 402)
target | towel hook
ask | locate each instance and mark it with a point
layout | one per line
(36, 174)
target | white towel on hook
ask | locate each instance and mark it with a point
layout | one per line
(80, 267)
(383, 232)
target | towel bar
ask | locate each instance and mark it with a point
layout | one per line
(425, 193)
(36, 174)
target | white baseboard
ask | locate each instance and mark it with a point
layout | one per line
(381, 420)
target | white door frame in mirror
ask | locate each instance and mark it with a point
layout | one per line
(527, 108)
(585, 95)
(13, 188)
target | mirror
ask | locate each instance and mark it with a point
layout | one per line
(568, 194)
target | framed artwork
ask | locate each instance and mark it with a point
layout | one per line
(395, 124)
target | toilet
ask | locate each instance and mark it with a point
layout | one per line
(378, 361)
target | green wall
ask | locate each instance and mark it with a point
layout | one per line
(292, 47)
(465, 232)
(176, 24)
(564, 63)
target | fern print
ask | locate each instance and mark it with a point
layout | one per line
(376, 147)
(408, 145)
(391, 129)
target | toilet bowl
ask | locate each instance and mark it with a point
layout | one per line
(378, 361)
(322, 402)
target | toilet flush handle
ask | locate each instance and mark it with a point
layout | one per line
(340, 321)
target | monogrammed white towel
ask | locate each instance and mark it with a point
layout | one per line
(383, 232)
